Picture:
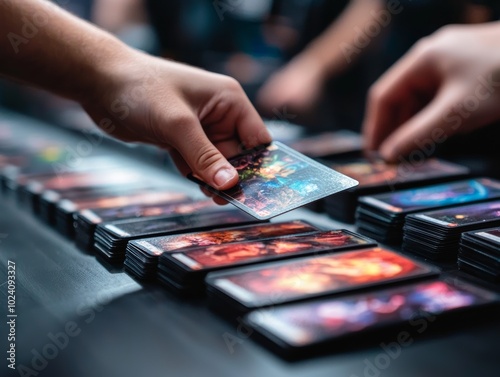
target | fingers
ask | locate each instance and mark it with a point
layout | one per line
(201, 156)
(426, 129)
(250, 128)
(395, 93)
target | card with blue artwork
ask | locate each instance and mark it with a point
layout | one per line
(275, 179)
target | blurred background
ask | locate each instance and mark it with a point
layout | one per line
(305, 61)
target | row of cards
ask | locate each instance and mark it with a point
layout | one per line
(308, 285)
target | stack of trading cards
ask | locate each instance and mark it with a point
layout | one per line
(376, 177)
(48, 164)
(140, 205)
(329, 144)
(184, 271)
(436, 234)
(110, 240)
(113, 196)
(299, 329)
(382, 216)
(240, 290)
(275, 179)
(142, 255)
(480, 253)
(93, 186)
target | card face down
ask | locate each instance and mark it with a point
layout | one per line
(276, 179)
(313, 276)
(307, 323)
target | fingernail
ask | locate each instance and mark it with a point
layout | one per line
(223, 176)
(387, 153)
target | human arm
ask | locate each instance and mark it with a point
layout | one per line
(199, 117)
(299, 83)
(448, 83)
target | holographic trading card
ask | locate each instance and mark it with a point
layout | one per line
(307, 323)
(441, 195)
(159, 245)
(233, 254)
(275, 179)
(312, 276)
(464, 215)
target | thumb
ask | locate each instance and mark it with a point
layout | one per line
(204, 159)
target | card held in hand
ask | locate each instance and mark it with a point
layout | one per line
(275, 179)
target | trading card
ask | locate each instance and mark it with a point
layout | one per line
(378, 173)
(303, 278)
(489, 235)
(112, 197)
(233, 254)
(464, 215)
(159, 245)
(442, 195)
(307, 323)
(162, 203)
(276, 179)
(128, 229)
(329, 143)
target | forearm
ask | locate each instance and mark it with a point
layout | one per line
(328, 53)
(47, 47)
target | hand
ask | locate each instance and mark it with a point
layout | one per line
(297, 86)
(199, 117)
(448, 83)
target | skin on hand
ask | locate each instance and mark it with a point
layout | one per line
(448, 83)
(199, 117)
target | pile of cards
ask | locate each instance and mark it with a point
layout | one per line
(142, 256)
(141, 205)
(382, 216)
(111, 238)
(184, 272)
(436, 234)
(275, 179)
(375, 176)
(240, 290)
(480, 253)
(293, 330)
(329, 144)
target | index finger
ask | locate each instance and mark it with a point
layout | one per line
(398, 88)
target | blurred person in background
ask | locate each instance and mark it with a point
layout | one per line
(355, 49)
